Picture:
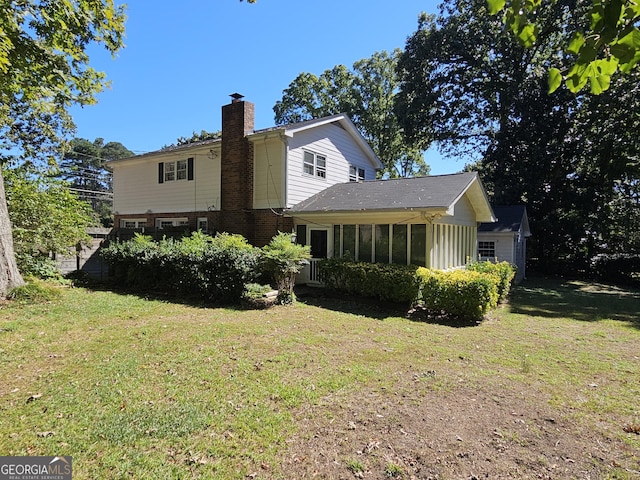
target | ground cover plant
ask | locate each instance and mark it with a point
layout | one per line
(545, 387)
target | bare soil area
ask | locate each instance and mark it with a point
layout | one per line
(463, 434)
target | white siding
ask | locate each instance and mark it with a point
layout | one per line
(268, 173)
(340, 150)
(463, 213)
(504, 243)
(136, 188)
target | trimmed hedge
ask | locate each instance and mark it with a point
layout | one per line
(462, 294)
(388, 282)
(214, 268)
(505, 272)
(458, 293)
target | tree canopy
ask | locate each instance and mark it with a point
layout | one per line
(467, 86)
(83, 166)
(366, 92)
(44, 69)
(602, 37)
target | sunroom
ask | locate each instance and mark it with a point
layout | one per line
(426, 221)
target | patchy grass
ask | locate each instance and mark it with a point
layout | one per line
(142, 388)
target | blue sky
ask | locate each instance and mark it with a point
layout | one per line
(184, 58)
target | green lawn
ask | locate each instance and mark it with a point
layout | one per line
(143, 388)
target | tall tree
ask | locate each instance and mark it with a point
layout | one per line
(366, 93)
(83, 166)
(44, 69)
(467, 85)
(47, 217)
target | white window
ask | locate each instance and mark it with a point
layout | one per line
(175, 171)
(356, 174)
(487, 249)
(171, 222)
(315, 164)
(133, 222)
(203, 224)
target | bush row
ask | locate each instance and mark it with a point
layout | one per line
(393, 283)
(617, 267)
(214, 268)
(464, 294)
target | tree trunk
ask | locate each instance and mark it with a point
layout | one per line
(9, 275)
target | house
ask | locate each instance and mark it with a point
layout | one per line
(242, 182)
(506, 239)
(429, 221)
(316, 178)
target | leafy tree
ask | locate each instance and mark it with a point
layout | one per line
(47, 218)
(194, 138)
(366, 93)
(468, 86)
(44, 69)
(284, 259)
(604, 38)
(83, 165)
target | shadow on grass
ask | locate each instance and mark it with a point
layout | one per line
(579, 300)
(371, 307)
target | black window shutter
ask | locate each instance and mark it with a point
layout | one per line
(161, 172)
(190, 168)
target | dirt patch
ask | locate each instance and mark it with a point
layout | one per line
(463, 434)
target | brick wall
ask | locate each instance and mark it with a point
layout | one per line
(236, 192)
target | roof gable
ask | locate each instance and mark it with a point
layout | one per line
(510, 218)
(341, 119)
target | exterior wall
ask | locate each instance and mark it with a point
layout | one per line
(504, 243)
(463, 213)
(213, 219)
(269, 173)
(452, 245)
(267, 224)
(509, 249)
(337, 145)
(136, 188)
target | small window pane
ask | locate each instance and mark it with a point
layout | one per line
(382, 243)
(419, 245)
(364, 247)
(487, 249)
(309, 163)
(181, 170)
(349, 241)
(321, 166)
(399, 245)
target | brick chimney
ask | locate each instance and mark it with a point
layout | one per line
(236, 194)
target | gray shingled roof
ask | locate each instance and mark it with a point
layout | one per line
(509, 219)
(395, 194)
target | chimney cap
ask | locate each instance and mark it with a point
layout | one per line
(236, 97)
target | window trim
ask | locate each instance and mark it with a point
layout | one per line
(139, 222)
(175, 222)
(356, 174)
(489, 246)
(318, 169)
(176, 170)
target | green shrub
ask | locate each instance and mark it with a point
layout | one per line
(34, 291)
(388, 282)
(505, 272)
(37, 265)
(616, 267)
(462, 294)
(213, 268)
